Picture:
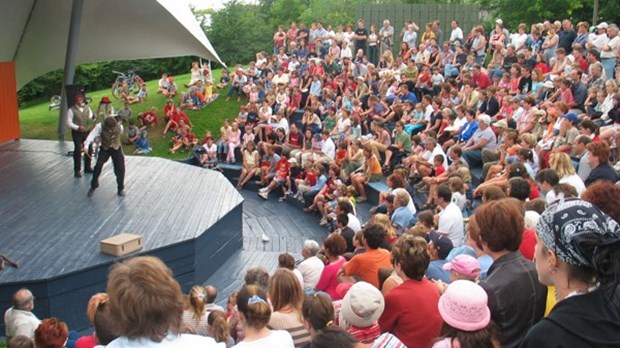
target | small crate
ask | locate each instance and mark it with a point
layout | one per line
(122, 244)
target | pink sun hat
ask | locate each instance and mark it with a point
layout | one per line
(464, 264)
(464, 306)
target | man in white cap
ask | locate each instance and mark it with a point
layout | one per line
(599, 39)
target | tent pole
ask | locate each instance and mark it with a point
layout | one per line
(72, 43)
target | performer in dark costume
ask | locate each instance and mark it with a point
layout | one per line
(110, 131)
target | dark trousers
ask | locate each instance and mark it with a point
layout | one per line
(118, 160)
(78, 145)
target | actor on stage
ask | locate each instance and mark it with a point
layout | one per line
(110, 132)
(77, 119)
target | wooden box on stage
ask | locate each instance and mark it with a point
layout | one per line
(122, 244)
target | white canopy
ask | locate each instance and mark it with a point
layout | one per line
(34, 33)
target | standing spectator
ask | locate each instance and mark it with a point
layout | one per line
(386, 36)
(361, 36)
(411, 312)
(577, 252)
(516, 299)
(19, 319)
(609, 50)
(567, 36)
(311, 267)
(148, 306)
(366, 265)
(456, 35)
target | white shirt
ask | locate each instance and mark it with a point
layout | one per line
(614, 44)
(439, 151)
(181, 341)
(95, 133)
(299, 276)
(19, 322)
(354, 223)
(311, 269)
(456, 33)
(70, 123)
(329, 148)
(575, 181)
(278, 338)
(451, 223)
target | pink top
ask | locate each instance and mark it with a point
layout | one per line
(329, 279)
(567, 96)
(234, 137)
(247, 137)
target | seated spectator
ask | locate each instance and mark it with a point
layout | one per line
(133, 133)
(516, 299)
(334, 246)
(286, 260)
(311, 267)
(318, 313)
(279, 180)
(401, 216)
(162, 84)
(219, 328)
(462, 267)
(124, 114)
(483, 139)
(287, 297)
(195, 316)
(450, 219)
(598, 158)
(256, 314)
(19, 319)
(148, 306)
(372, 172)
(365, 266)
(603, 195)
(411, 309)
(360, 309)
(94, 303)
(580, 258)
(250, 162)
(51, 333)
(476, 327)
(148, 118)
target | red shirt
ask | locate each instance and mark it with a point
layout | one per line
(439, 170)
(282, 168)
(482, 80)
(534, 193)
(527, 244)
(294, 139)
(411, 313)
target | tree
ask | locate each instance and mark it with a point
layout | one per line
(238, 31)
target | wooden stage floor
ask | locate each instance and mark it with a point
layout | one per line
(52, 229)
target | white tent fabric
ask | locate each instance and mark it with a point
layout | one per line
(34, 33)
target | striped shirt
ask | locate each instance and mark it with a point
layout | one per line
(292, 323)
(365, 334)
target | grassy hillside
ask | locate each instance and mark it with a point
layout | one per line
(37, 122)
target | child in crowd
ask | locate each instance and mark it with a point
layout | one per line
(360, 310)
(222, 149)
(209, 158)
(142, 144)
(250, 164)
(248, 136)
(279, 179)
(148, 119)
(458, 191)
(242, 116)
(306, 193)
(133, 133)
(224, 79)
(476, 328)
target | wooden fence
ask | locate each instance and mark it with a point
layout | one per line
(467, 15)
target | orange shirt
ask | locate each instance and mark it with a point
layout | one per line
(374, 165)
(366, 265)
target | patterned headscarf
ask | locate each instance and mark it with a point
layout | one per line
(574, 229)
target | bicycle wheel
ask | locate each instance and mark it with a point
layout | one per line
(54, 102)
(117, 89)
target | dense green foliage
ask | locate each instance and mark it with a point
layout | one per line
(514, 12)
(100, 76)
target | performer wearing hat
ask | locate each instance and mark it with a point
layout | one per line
(78, 119)
(110, 131)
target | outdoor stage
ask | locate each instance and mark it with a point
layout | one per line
(189, 217)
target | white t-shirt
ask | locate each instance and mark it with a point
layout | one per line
(354, 223)
(451, 223)
(329, 148)
(575, 181)
(278, 338)
(181, 341)
(459, 199)
(19, 322)
(311, 269)
(456, 33)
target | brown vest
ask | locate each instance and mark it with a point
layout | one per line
(80, 118)
(110, 138)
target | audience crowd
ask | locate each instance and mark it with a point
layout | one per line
(507, 139)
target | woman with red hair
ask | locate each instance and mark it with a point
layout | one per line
(51, 333)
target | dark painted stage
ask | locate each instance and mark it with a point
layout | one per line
(189, 217)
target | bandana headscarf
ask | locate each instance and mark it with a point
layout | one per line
(574, 229)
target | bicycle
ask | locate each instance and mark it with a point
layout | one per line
(129, 82)
(55, 101)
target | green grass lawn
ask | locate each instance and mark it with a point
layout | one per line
(37, 122)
